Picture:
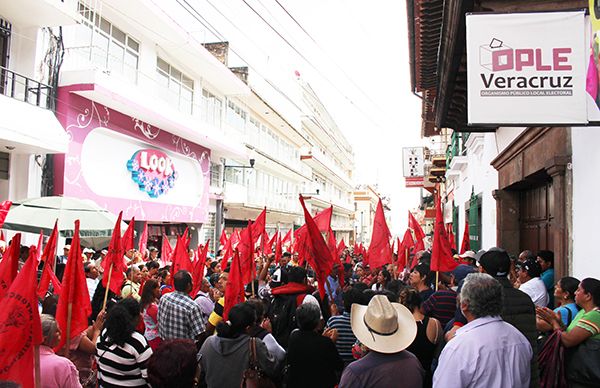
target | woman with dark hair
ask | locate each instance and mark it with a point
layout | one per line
(149, 308)
(224, 357)
(262, 330)
(584, 329)
(429, 332)
(381, 281)
(173, 364)
(420, 278)
(121, 352)
(564, 294)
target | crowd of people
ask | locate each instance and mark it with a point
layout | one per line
(486, 323)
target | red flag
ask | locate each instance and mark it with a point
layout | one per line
(419, 234)
(114, 257)
(4, 208)
(246, 255)
(144, 240)
(9, 266)
(380, 252)
(441, 254)
(266, 244)
(166, 252)
(198, 271)
(278, 248)
(273, 239)
(234, 290)
(228, 252)
(258, 226)
(127, 240)
(348, 258)
(404, 248)
(451, 237)
(319, 256)
(181, 259)
(466, 241)
(20, 327)
(48, 260)
(288, 237)
(235, 238)
(74, 293)
(323, 222)
(223, 239)
(341, 247)
(2, 235)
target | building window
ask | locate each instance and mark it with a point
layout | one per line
(178, 86)
(215, 174)
(236, 116)
(107, 46)
(212, 108)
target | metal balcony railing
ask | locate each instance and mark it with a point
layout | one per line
(457, 146)
(25, 89)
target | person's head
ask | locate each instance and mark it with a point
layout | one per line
(66, 249)
(420, 276)
(129, 253)
(308, 316)
(150, 293)
(164, 276)
(153, 267)
(528, 270)
(173, 364)
(395, 286)
(191, 253)
(468, 257)
(565, 288)
(359, 270)
(103, 253)
(353, 295)
(153, 253)
(49, 305)
(526, 255)
(297, 275)
(133, 273)
(259, 309)
(91, 271)
(410, 298)
(222, 282)
(588, 293)
(182, 281)
(545, 259)
(481, 296)
(121, 321)
(383, 277)
(285, 259)
(50, 332)
(215, 267)
(241, 317)
(143, 272)
(205, 286)
(495, 262)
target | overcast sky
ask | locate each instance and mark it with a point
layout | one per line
(354, 53)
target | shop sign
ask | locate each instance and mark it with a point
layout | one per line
(526, 68)
(153, 171)
(413, 181)
(413, 161)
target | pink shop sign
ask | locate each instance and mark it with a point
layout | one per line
(108, 151)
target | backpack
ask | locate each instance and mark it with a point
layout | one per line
(282, 314)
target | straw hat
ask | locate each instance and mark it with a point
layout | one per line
(383, 326)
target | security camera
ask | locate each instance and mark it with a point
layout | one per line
(252, 161)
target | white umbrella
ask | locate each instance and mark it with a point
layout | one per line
(35, 214)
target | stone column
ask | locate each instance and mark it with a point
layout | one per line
(556, 169)
(507, 220)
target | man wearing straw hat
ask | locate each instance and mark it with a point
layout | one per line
(386, 329)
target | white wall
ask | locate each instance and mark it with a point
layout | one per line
(586, 206)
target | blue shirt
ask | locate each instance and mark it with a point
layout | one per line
(564, 312)
(548, 278)
(333, 286)
(486, 352)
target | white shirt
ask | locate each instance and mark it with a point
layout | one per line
(536, 289)
(91, 285)
(486, 352)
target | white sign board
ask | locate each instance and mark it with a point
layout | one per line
(413, 165)
(526, 68)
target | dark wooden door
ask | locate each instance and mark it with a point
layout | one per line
(535, 218)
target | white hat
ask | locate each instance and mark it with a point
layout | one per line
(68, 246)
(88, 250)
(467, 254)
(383, 326)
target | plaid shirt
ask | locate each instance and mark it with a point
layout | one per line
(179, 317)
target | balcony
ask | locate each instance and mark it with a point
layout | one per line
(319, 162)
(28, 123)
(40, 13)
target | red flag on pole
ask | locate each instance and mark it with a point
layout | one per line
(166, 251)
(48, 260)
(441, 254)
(380, 252)
(278, 248)
(287, 239)
(4, 208)
(466, 241)
(341, 246)
(181, 259)
(127, 240)
(404, 248)
(114, 257)
(246, 255)
(451, 237)
(266, 243)
(228, 253)
(322, 221)
(418, 231)
(234, 290)
(20, 327)
(258, 226)
(223, 238)
(144, 240)
(319, 256)
(9, 266)
(198, 271)
(74, 293)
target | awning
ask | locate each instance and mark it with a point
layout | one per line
(28, 129)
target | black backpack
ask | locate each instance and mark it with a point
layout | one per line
(282, 314)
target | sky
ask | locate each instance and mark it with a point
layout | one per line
(353, 53)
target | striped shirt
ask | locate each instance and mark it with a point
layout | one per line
(441, 306)
(346, 337)
(122, 366)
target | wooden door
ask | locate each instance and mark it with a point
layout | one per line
(535, 219)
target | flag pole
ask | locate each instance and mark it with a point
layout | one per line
(437, 279)
(69, 316)
(36, 360)
(107, 286)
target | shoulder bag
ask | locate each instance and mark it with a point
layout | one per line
(254, 377)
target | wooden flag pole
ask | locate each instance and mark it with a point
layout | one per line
(36, 360)
(69, 316)
(437, 279)
(107, 285)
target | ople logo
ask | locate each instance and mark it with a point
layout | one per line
(153, 171)
(524, 72)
